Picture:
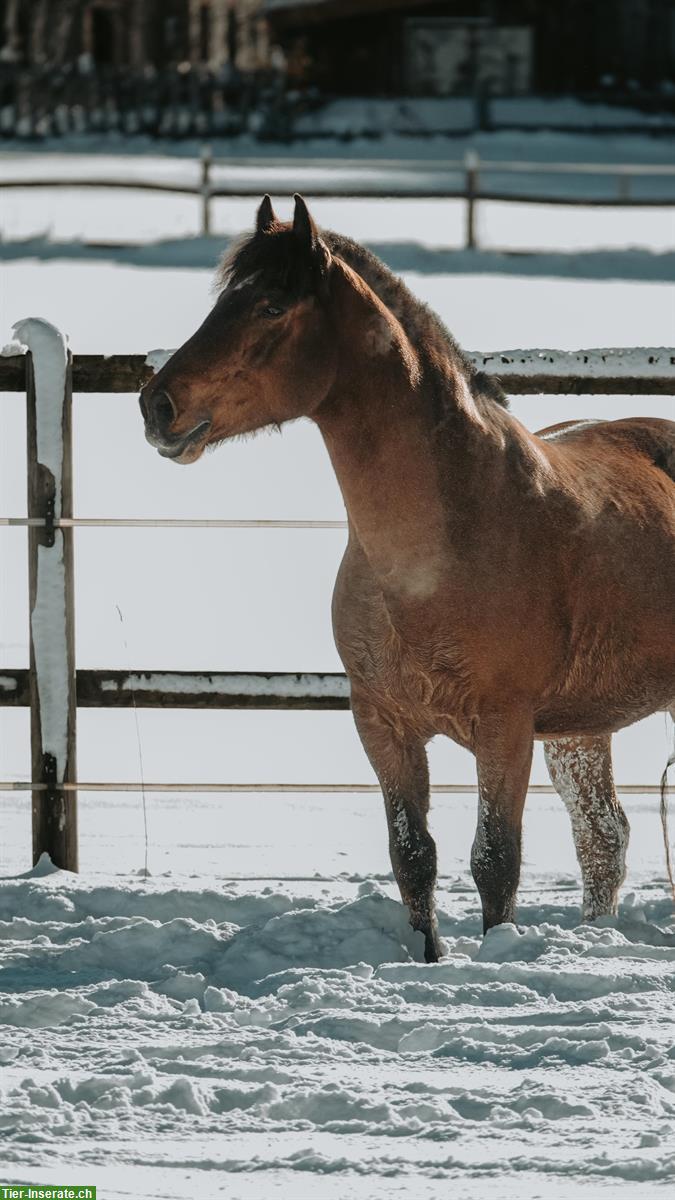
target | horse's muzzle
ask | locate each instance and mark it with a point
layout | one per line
(159, 414)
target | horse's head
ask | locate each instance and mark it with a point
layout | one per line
(264, 354)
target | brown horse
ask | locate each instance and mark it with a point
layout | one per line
(498, 586)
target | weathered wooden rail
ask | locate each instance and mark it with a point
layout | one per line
(53, 688)
(460, 179)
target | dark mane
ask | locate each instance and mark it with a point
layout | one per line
(273, 254)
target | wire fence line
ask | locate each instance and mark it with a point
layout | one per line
(455, 789)
(169, 523)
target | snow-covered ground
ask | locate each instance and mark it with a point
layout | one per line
(170, 1036)
(253, 1019)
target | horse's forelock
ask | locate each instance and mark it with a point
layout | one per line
(227, 266)
(270, 257)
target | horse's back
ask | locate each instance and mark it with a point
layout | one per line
(650, 438)
(618, 478)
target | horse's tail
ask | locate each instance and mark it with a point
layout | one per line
(664, 815)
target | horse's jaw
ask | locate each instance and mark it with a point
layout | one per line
(189, 454)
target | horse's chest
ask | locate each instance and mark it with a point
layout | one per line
(426, 692)
(411, 671)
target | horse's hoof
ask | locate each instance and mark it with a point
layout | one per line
(432, 949)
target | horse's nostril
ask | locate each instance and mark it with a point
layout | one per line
(163, 410)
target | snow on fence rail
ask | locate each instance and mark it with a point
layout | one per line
(53, 688)
(459, 179)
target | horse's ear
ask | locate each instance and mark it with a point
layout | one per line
(266, 216)
(303, 225)
(307, 234)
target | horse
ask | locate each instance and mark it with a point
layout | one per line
(498, 586)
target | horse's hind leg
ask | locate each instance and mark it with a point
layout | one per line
(400, 763)
(581, 773)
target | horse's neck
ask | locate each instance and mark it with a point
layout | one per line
(390, 494)
(381, 428)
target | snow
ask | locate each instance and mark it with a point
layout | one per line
(269, 1038)
(10, 349)
(652, 362)
(254, 1019)
(538, 112)
(48, 347)
(354, 118)
(48, 616)
(137, 153)
(411, 127)
(609, 363)
(241, 684)
(44, 866)
(157, 358)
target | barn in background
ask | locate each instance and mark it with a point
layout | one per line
(448, 47)
(362, 47)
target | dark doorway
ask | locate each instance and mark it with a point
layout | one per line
(232, 37)
(103, 36)
(204, 33)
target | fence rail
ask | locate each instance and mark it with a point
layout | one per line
(411, 181)
(53, 688)
(641, 371)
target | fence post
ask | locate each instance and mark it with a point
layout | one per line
(51, 592)
(471, 165)
(624, 186)
(206, 190)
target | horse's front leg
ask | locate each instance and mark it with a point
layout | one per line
(400, 763)
(581, 773)
(503, 748)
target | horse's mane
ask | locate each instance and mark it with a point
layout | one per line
(262, 253)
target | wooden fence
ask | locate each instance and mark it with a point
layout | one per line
(173, 102)
(53, 688)
(461, 179)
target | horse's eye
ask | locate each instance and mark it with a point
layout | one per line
(271, 311)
